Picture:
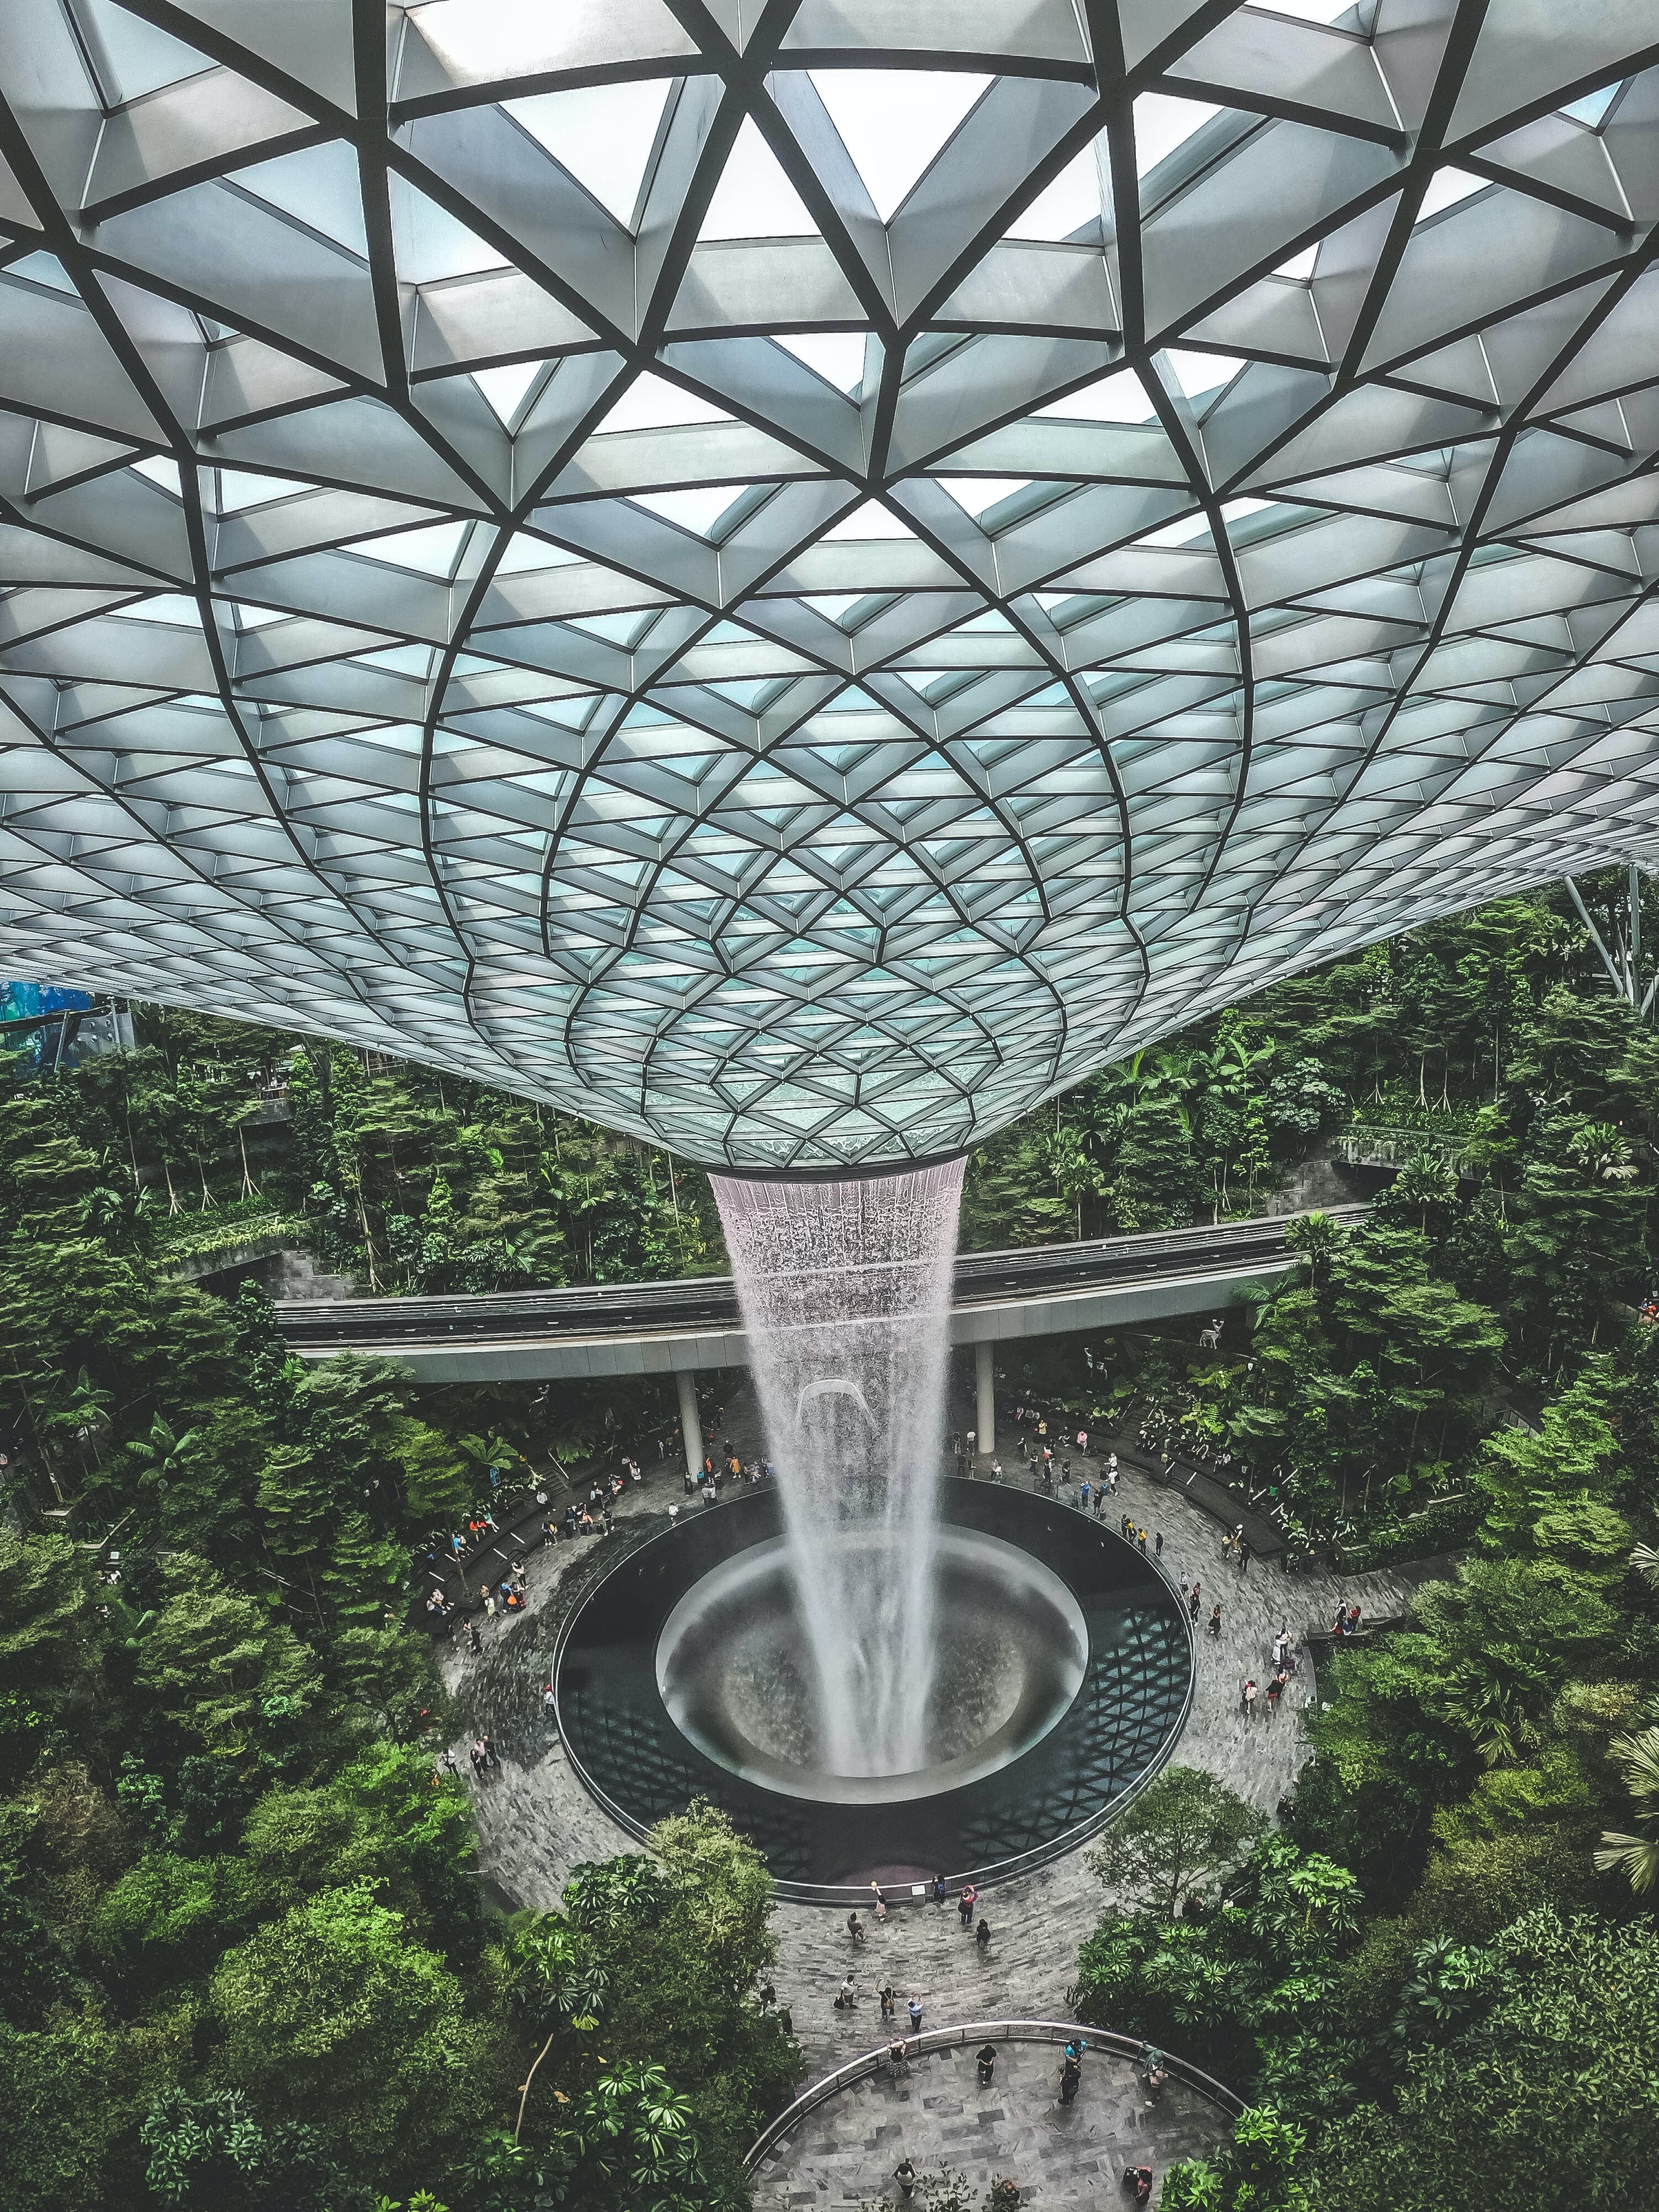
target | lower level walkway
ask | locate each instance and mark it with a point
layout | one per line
(842, 2155)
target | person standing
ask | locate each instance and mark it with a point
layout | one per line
(888, 2000)
(1281, 1645)
(1215, 1624)
(881, 1903)
(1142, 1533)
(855, 1927)
(915, 2010)
(965, 1904)
(905, 2174)
(1243, 1554)
(938, 1889)
(1158, 1543)
(982, 1935)
(1246, 1698)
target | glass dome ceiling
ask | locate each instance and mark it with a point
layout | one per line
(794, 576)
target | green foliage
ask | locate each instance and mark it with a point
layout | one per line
(1226, 1985)
(1184, 1829)
(215, 2150)
(1532, 2081)
(332, 2016)
(168, 1917)
(682, 1944)
(218, 1669)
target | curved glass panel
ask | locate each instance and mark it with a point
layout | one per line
(793, 592)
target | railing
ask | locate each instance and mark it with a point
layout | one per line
(871, 2063)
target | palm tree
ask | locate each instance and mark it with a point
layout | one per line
(1637, 1856)
(164, 1453)
(85, 1411)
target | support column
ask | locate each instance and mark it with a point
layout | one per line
(985, 1392)
(690, 1420)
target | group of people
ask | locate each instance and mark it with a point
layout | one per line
(729, 1468)
(1192, 1592)
(1287, 1656)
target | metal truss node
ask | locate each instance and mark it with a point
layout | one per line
(795, 577)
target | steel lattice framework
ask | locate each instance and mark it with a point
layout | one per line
(794, 576)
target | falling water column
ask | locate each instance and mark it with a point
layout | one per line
(845, 1291)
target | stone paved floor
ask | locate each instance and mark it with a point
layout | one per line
(536, 1821)
(843, 2154)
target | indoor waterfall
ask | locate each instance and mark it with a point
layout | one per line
(845, 1291)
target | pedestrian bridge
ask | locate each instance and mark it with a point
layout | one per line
(677, 1327)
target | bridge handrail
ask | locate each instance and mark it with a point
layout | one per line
(871, 2063)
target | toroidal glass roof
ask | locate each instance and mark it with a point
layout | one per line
(794, 576)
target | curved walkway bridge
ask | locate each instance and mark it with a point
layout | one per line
(677, 1327)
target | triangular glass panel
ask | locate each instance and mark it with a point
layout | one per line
(319, 186)
(838, 356)
(525, 554)
(433, 552)
(697, 510)
(431, 246)
(651, 402)
(504, 388)
(1198, 373)
(160, 470)
(974, 494)
(164, 607)
(41, 269)
(1077, 197)
(754, 199)
(869, 520)
(131, 58)
(894, 123)
(1593, 106)
(601, 134)
(1163, 123)
(1119, 397)
(1446, 187)
(239, 488)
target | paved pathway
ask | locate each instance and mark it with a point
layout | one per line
(842, 2155)
(536, 1821)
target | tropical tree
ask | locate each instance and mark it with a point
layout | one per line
(1637, 1857)
(1183, 1830)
